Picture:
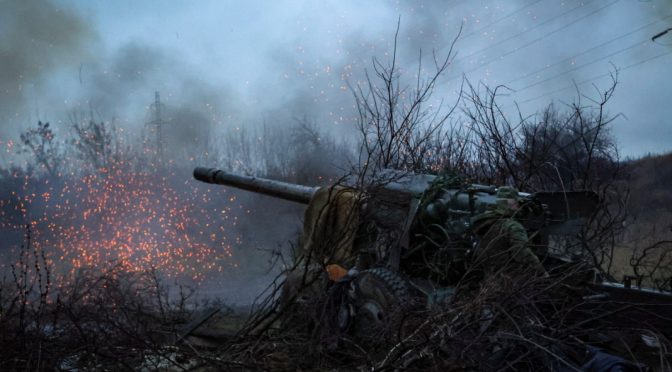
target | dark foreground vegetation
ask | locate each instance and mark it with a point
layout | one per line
(114, 318)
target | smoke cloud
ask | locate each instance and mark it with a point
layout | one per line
(37, 39)
(297, 61)
(123, 88)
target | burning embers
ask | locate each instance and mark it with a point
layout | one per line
(122, 216)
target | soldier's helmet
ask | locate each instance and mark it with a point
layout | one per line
(506, 197)
(507, 192)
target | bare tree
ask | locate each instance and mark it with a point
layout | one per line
(555, 151)
(41, 143)
(96, 143)
(396, 122)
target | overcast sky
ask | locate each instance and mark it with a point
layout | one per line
(226, 64)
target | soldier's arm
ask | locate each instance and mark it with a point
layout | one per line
(520, 251)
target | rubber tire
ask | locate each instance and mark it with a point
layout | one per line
(380, 299)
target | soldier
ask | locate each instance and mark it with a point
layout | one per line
(503, 241)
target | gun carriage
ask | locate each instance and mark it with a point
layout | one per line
(403, 236)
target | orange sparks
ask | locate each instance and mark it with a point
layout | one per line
(119, 216)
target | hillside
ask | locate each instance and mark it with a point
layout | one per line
(645, 249)
(650, 201)
(650, 195)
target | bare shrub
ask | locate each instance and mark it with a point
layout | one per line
(94, 143)
(108, 319)
(41, 144)
(505, 321)
(398, 124)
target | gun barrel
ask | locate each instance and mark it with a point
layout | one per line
(283, 190)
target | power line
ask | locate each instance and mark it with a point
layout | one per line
(544, 36)
(595, 77)
(472, 33)
(501, 19)
(639, 43)
(522, 33)
(586, 51)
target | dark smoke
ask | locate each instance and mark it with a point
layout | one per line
(191, 107)
(37, 39)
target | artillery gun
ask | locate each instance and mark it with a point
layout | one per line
(401, 236)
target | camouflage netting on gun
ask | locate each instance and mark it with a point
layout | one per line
(423, 222)
(437, 251)
(446, 180)
(330, 226)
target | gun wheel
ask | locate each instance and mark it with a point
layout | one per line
(380, 299)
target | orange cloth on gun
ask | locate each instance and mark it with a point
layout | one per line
(336, 272)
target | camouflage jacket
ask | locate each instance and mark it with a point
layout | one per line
(503, 242)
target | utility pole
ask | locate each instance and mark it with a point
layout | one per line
(157, 125)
